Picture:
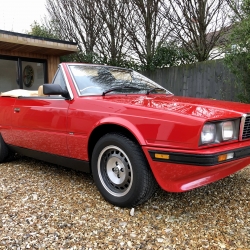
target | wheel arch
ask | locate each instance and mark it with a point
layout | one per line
(121, 173)
(123, 127)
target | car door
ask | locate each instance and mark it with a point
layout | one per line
(6, 111)
(39, 123)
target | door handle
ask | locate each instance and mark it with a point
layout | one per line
(16, 110)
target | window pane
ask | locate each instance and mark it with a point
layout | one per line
(33, 75)
(94, 80)
(60, 80)
(8, 75)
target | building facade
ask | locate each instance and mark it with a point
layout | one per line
(28, 61)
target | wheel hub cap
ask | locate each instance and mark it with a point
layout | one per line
(116, 170)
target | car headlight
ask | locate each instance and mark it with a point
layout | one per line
(227, 130)
(219, 131)
(208, 133)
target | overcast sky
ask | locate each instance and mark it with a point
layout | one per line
(18, 15)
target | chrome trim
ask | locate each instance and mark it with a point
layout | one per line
(242, 124)
(73, 79)
(67, 82)
(16, 110)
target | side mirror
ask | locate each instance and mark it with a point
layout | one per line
(55, 89)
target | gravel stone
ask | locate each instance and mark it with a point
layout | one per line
(45, 206)
(132, 212)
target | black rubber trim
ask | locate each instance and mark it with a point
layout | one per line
(198, 159)
(36, 37)
(41, 97)
(76, 164)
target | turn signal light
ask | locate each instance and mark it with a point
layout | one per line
(225, 157)
(162, 156)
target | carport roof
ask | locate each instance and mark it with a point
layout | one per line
(17, 42)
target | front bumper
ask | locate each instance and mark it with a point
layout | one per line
(200, 159)
(183, 171)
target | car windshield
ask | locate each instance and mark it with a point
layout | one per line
(102, 80)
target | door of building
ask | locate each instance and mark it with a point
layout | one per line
(23, 73)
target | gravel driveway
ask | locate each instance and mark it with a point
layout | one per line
(43, 206)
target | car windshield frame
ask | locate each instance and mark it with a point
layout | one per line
(108, 80)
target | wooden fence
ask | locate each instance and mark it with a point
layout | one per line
(210, 79)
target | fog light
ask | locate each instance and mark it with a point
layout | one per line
(225, 157)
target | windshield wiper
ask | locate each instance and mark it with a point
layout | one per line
(155, 88)
(118, 88)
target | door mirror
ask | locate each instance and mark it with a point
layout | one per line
(55, 89)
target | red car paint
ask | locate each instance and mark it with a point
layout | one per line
(159, 122)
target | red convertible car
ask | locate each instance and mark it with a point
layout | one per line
(129, 132)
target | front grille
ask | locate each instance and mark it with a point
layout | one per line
(246, 129)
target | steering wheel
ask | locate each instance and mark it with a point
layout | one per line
(94, 87)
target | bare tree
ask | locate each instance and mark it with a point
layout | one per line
(146, 28)
(77, 20)
(235, 6)
(97, 26)
(113, 37)
(199, 26)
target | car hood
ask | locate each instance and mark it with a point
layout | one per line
(203, 108)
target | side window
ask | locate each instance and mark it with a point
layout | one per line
(58, 79)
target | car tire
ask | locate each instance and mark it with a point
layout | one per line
(4, 152)
(121, 171)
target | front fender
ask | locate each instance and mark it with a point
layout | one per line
(122, 123)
